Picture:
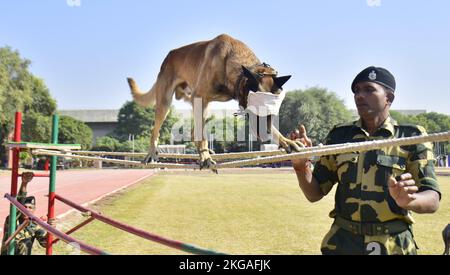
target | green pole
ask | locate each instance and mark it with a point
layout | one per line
(52, 185)
(14, 181)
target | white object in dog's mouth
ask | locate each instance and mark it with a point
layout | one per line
(264, 104)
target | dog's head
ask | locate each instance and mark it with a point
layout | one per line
(261, 79)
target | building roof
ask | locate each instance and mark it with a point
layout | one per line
(110, 116)
(92, 115)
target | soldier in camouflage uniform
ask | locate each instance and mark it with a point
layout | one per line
(376, 190)
(24, 239)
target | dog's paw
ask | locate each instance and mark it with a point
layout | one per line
(208, 163)
(291, 145)
(150, 158)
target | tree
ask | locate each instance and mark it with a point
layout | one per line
(138, 121)
(401, 118)
(108, 144)
(432, 122)
(22, 91)
(15, 84)
(72, 131)
(36, 127)
(316, 108)
(37, 119)
(138, 145)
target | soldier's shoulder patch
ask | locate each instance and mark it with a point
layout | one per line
(339, 133)
(345, 124)
(409, 130)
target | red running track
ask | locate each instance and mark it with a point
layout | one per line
(81, 186)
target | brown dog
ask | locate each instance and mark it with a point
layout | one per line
(220, 69)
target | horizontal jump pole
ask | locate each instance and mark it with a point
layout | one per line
(21, 227)
(48, 146)
(42, 152)
(76, 228)
(341, 149)
(139, 232)
(38, 175)
(67, 239)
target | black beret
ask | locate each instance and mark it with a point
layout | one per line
(29, 200)
(375, 74)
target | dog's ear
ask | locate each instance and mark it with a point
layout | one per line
(280, 81)
(252, 79)
(250, 75)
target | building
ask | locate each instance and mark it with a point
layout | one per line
(102, 122)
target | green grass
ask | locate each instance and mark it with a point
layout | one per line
(236, 213)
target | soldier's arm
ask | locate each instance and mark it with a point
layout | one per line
(421, 192)
(41, 237)
(425, 202)
(5, 235)
(307, 182)
(26, 178)
(405, 192)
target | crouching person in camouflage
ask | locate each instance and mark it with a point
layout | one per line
(24, 240)
(376, 190)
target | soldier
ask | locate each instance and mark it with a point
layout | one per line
(376, 190)
(26, 237)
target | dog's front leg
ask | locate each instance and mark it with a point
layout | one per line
(200, 137)
(287, 144)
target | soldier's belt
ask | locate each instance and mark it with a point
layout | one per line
(372, 229)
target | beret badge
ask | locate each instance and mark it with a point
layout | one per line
(373, 75)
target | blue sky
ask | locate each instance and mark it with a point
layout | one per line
(84, 53)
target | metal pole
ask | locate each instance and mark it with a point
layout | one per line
(132, 138)
(14, 180)
(67, 239)
(52, 185)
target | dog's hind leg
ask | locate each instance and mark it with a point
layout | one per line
(162, 107)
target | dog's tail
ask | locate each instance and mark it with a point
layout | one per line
(143, 99)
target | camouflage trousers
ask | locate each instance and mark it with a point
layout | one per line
(23, 247)
(339, 241)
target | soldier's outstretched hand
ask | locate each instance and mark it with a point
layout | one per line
(402, 189)
(27, 177)
(300, 136)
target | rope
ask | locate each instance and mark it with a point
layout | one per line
(225, 156)
(274, 156)
(41, 152)
(341, 149)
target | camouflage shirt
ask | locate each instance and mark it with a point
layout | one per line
(24, 240)
(362, 193)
